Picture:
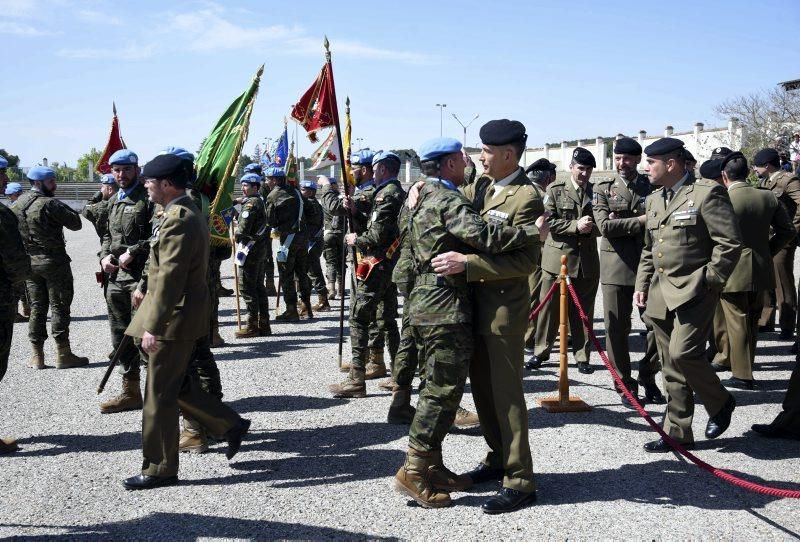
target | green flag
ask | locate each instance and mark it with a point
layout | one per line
(216, 162)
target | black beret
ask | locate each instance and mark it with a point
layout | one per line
(542, 164)
(168, 166)
(688, 155)
(665, 145)
(583, 157)
(626, 145)
(732, 156)
(711, 169)
(553, 167)
(766, 156)
(720, 152)
(503, 132)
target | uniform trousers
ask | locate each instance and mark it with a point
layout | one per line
(736, 331)
(168, 389)
(369, 294)
(785, 292)
(496, 380)
(535, 284)
(50, 286)
(120, 313)
(681, 338)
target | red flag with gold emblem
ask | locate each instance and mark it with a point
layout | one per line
(316, 108)
(115, 143)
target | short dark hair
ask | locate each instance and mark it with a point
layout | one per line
(736, 169)
(538, 175)
(392, 166)
(430, 168)
(519, 147)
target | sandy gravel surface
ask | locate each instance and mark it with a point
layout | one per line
(317, 467)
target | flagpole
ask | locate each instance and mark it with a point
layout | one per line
(346, 183)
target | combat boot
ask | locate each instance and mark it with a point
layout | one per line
(193, 438)
(353, 386)
(443, 478)
(307, 309)
(289, 315)
(400, 411)
(346, 366)
(67, 359)
(302, 309)
(413, 479)
(465, 419)
(270, 286)
(322, 303)
(222, 291)
(376, 368)
(20, 318)
(387, 384)
(250, 329)
(216, 338)
(8, 445)
(129, 399)
(263, 326)
(332, 291)
(37, 356)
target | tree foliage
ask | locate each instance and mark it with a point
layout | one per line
(82, 168)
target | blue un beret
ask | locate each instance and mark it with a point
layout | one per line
(440, 146)
(180, 152)
(123, 157)
(41, 173)
(274, 171)
(380, 156)
(308, 184)
(13, 188)
(662, 146)
(766, 156)
(253, 168)
(250, 178)
(3, 163)
(362, 158)
(503, 132)
(108, 178)
(583, 157)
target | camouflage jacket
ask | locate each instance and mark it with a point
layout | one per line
(42, 220)
(129, 229)
(362, 205)
(332, 209)
(313, 217)
(382, 229)
(283, 207)
(96, 212)
(14, 261)
(444, 220)
(252, 224)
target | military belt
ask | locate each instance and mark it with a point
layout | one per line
(432, 279)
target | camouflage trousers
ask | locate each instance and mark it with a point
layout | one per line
(269, 263)
(215, 277)
(332, 251)
(251, 283)
(445, 351)
(21, 294)
(8, 309)
(120, 313)
(383, 331)
(295, 267)
(204, 368)
(50, 287)
(404, 364)
(315, 275)
(368, 297)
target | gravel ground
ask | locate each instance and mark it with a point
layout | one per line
(317, 467)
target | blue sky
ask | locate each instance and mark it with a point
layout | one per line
(565, 69)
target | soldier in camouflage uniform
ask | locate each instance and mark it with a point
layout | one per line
(334, 224)
(42, 220)
(125, 249)
(285, 210)
(314, 223)
(383, 329)
(14, 191)
(269, 257)
(440, 315)
(378, 246)
(96, 208)
(251, 231)
(14, 268)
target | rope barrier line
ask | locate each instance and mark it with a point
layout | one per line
(543, 302)
(719, 473)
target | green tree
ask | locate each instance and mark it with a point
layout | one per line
(13, 159)
(82, 169)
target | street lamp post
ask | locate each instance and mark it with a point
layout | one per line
(441, 117)
(360, 144)
(465, 126)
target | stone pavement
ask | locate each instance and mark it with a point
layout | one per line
(317, 467)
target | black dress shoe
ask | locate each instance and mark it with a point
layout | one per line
(766, 329)
(508, 500)
(224, 292)
(652, 394)
(773, 431)
(585, 368)
(719, 368)
(144, 481)
(234, 437)
(661, 447)
(626, 403)
(484, 473)
(739, 383)
(534, 363)
(720, 421)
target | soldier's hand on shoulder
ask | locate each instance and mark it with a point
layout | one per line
(413, 194)
(449, 263)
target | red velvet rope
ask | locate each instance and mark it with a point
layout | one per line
(728, 477)
(544, 301)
